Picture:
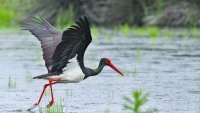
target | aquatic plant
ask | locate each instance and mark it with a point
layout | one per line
(11, 83)
(135, 102)
(29, 77)
(134, 72)
(68, 92)
(107, 111)
(138, 54)
(38, 55)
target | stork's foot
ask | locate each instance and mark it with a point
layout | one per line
(34, 106)
(50, 104)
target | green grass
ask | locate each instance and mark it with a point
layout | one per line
(135, 72)
(94, 32)
(107, 111)
(38, 55)
(63, 21)
(68, 92)
(11, 83)
(154, 32)
(10, 12)
(108, 37)
(6, 15)
(56, 108)
(47, 92)
(29, 77)
(125, 29)
(138, 53)
(135, 103)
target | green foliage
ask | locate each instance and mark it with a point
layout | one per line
(125, 29)
(159, 6)
(135, 103)
(65, 19)
(94, 32)
(153, 32)
(107, 111)
(6, 14)
(134, 72)
(29, 77)
(56, 108)
(11, 11)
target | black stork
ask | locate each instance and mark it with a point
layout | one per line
(64, 52)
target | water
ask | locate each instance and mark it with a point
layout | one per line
(167, 69)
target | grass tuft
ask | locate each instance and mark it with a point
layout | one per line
(135, 103)
(29, 77)
(125, 29)
(153, 32)
(56, 108)
(11, 83)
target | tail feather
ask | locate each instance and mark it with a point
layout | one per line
(42, 76)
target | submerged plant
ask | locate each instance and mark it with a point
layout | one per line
(135, 102)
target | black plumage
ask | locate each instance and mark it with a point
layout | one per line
(58, 48)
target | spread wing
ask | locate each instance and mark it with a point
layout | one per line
(48, 36)
(74, 42)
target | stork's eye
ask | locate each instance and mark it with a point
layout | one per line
(108, 60)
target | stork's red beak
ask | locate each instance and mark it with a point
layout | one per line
(112, 66)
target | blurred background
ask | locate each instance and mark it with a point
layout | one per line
(109, 13)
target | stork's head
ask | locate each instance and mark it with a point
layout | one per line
(108, 62)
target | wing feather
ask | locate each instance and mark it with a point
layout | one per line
(74, 42)
(48, 36)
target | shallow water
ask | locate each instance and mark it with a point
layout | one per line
(167, 69)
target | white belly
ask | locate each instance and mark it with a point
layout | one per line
(71, 74)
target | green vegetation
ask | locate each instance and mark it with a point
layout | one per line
(38, 55)
(94, 32)
(134, 72)
(6, 14)
(56, 108)
(64, 21)
(29, 77)
(68, 92)
(135, 103)
(107, 111)
(11, 83)
(125, 29)
(10, 12)
(154, 32)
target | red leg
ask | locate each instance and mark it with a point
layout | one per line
(52, 98)
(45, 86)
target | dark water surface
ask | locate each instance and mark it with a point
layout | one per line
(167, 69)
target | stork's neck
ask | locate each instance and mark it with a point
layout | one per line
(99, 69)
(93, 72)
